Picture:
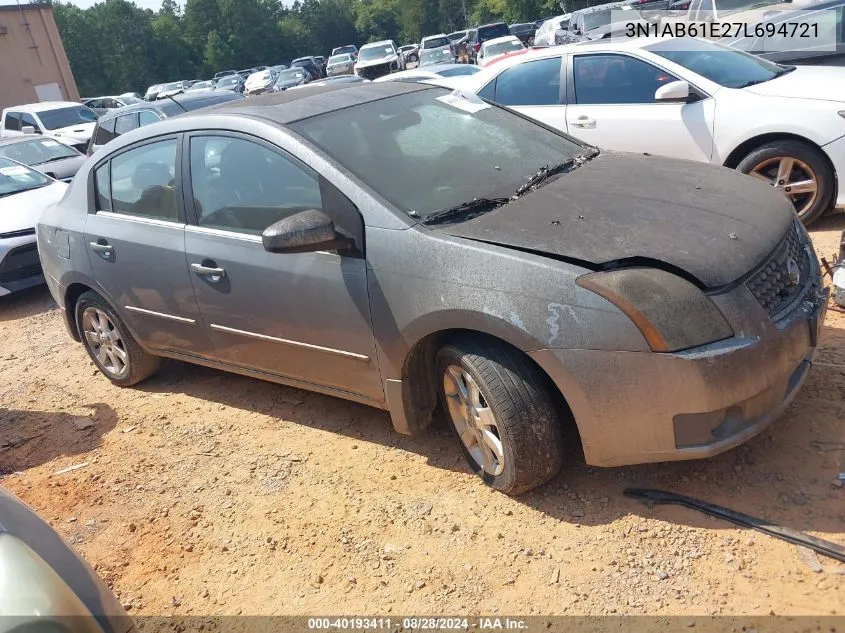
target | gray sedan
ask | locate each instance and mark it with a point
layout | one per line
(427, 253)
(57, 160)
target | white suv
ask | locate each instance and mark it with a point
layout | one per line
(66, 121)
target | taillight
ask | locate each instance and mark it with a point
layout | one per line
(477, 46)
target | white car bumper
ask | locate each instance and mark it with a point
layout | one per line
(835, 151)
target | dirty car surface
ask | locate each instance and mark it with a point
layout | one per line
(356, 251)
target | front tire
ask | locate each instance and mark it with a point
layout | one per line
(109, 343)
(500, 407)
(798, 170)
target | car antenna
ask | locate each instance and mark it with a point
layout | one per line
(184, 109)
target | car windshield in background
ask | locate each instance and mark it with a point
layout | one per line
(437, 56)
(37, 151)
(725, 66)
(228, 80)
(67, 117)
(375, 52)
(16, 178)
(340, 59)
(598, 19)
(176, 85)
(521, 28)
(433, 136)
(457, 71)
(493, 31)
(202, 85)
(458, 35)
(290, 75)
(500, 48)
(436, 42)
(344, 49)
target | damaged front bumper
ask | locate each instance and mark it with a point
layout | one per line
(639, 407)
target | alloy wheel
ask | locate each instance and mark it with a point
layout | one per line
(105, 342)
(474, 420)
(791, 176)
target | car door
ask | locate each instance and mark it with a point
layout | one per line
(302, 316)
(611, 104)
(533, 88)
(135, 236)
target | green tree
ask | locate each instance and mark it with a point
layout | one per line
(218, 55)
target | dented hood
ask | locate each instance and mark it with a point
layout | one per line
(711, 222)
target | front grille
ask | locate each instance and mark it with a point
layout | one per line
(374, 72)
(21, 233)
(780, 279)
(20, 263)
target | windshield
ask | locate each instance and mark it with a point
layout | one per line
(454, 37)
(435, 57)
(264, 75)
(176, 85)
(493, 31)
(67, 117)
(720, 64)
(375, 52)
(598, 19)
(424, 155)
(462, 69)
(228, 81)
(37, 151)
(202, 85)
(16, 178)
(344, 49)
(340, 59)
(502, 47)
(294, 74)
(436, 42)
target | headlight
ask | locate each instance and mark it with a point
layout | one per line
(34, 597)
(671, 313)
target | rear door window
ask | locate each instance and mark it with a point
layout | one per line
(143, 181)
(529, 84)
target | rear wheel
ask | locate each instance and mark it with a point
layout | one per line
(796, 169)
(110, 344)
(500, 407)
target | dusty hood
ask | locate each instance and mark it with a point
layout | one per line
(21, 211)
(806, 82)
(711, 222)
(79, 132)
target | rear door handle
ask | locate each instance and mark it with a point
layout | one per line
(102, 248)
(584, 122)
(211, 273)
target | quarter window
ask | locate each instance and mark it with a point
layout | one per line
(531, 83)
(101, 182)
(610, 79)
(125, 123)
(142, 181)
(12, 122)
(105, 132)
(241, 186)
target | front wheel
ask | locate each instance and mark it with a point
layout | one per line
(796, 169)
(501, 409)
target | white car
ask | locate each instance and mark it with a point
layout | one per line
(692, 99)
(491, 49)
(340, 64)
(24, 194)
(432, 74)
(260, 82)
(65, 121)
(379, 58)
(546, 34)
(435, 42)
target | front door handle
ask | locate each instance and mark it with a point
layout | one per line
(584, 122)
(102, 248)
(212, 273)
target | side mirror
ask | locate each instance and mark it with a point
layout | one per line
(674, 91)
(303, 232)
(28, 129)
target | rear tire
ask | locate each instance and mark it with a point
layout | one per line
(768, 162)
(110, 344)
(500, 407)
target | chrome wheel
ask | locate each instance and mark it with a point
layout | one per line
(791, 176)
(105, 342)
(474, 420)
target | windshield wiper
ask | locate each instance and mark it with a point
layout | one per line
(469, 209)
(547, 172)
(55, 158)
(780, 73)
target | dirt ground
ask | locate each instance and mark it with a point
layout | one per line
(209, 493)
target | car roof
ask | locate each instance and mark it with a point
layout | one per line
(289, 106)
(431, 37)
(169, 108)
(379, 43)
(504, 38)
(43, 106)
